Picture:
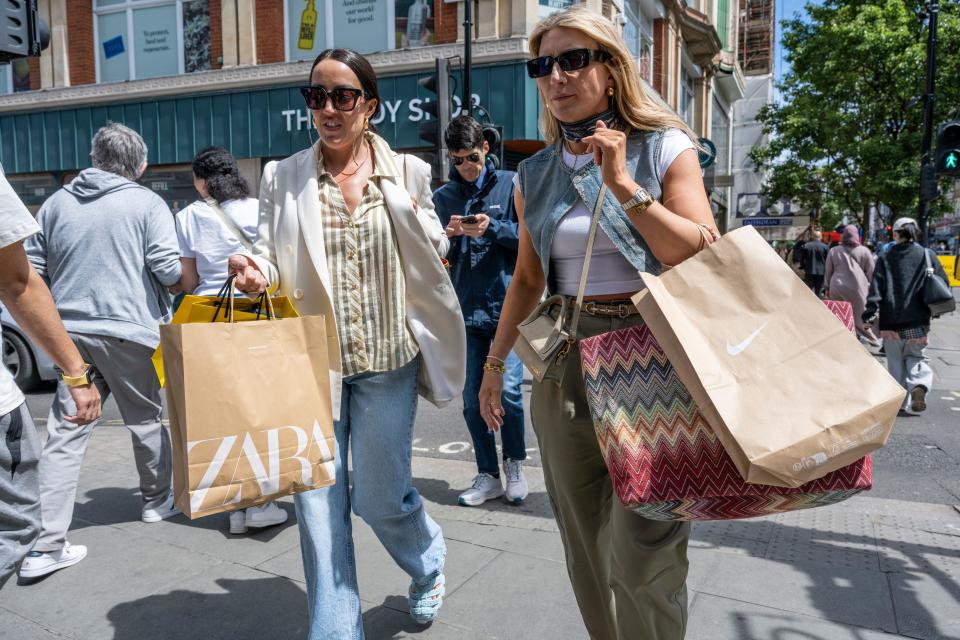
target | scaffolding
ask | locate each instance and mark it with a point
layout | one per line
(757, 21)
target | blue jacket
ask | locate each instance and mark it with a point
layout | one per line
(481, 268)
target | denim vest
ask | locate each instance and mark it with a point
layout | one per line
(550, 189)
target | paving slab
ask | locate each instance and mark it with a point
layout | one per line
(386, 623)
(927, 606)
(838, 594)
(517, 596)
(119, 566)
(12, 625)
(715, 618)
(234, 602)
(918, 550)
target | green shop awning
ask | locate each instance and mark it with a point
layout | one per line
(251, 124)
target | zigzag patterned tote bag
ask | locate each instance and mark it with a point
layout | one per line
(665, 461)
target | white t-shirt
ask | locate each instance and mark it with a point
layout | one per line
(610, 271)
(206, 239)
(16, 224)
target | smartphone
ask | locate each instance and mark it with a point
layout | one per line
(471, 219)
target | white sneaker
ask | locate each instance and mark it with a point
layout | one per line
(485, 487)
(266, 515)
(38, 564)
(166, 510)
(238, 522)
(516, 484)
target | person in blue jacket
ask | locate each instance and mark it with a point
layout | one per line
(476, 207)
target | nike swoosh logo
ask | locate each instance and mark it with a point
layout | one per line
(737, 349)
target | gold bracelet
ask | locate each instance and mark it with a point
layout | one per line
(493, 366)
(500, 360)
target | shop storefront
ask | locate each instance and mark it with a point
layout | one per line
(41, 150)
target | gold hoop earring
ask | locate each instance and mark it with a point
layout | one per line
(366, 124)
(610, 91)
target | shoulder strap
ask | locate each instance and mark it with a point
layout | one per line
(597, 208)
(229, 224)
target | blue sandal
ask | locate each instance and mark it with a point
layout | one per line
(425, 604)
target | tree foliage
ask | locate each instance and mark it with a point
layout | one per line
(846, 133)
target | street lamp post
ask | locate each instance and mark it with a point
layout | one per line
(927, 173)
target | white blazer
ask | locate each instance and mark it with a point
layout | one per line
(290, 252)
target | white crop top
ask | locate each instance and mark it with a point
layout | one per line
(610, 272)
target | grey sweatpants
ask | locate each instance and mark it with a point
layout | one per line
(19, 489)
(907, 362)
(125, 370)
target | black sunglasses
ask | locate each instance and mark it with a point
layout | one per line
(568, 60)
(459, 160)
(344, 98)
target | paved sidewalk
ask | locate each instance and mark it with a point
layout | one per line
(866, 569)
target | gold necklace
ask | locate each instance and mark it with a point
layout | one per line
(358, 165)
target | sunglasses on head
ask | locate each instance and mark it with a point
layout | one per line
(568, 60)
(344, 98)
(459, 160)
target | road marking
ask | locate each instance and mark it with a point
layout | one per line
(950, 398)
(453, 447)
(955, 408)
(416, 441)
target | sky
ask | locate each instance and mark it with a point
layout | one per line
(785, 9)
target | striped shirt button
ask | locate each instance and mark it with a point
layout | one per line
(298, 294)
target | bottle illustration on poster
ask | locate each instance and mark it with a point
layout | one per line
(308, 26)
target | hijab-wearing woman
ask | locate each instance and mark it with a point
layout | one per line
(348, 231)
(847, 275)
(628, 573)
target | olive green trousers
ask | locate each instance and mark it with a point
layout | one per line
(628, 573)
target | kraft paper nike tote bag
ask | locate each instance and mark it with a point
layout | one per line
(250, 411)
(790, 393)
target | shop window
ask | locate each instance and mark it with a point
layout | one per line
(364, 25)
(552, 6)
(720, 134)
(139, 39)
(15, 76)
(687, 98)
(638, 32)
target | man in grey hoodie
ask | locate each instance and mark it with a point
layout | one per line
(109, 250)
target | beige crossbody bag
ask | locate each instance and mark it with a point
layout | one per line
(544, 339)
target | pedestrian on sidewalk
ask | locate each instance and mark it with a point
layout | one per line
(628, 573)
(108, 248)
(27, 299)
(482, 257)
(813, 258)
(348, 231)
(847, 275)
(896, 301)
(210, 230)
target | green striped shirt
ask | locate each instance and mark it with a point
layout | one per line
(369, 292)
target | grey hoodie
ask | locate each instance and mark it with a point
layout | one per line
(108, 248)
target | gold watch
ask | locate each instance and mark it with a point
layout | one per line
(78, 381)
(639, 202)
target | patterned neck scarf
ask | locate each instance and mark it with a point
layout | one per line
(577, 131)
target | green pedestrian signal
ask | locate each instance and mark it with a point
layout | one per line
(947, 158)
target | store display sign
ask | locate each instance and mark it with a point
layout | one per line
(305, 29)
(357, 21)
(768, 222)
(155, 42)
(113, 47)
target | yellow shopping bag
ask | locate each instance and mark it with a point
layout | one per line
(199, 309)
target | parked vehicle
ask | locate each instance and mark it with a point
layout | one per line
(27, 362)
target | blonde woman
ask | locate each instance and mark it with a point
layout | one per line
(628, 573)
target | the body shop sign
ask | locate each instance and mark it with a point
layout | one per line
(392, 111)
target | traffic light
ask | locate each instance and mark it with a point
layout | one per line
(438, 110)
(948, 149)
(493, 134)
(22, 32)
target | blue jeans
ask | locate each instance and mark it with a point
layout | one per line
(511, 433)
(377, 414)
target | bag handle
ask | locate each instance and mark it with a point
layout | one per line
(226, 294)
(229, 224)
(597, 209)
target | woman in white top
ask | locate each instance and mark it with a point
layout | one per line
(223, 222)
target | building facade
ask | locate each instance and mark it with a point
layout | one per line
(191, 73)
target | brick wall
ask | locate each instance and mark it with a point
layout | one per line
(216, 34)
(34, 73)
(446, 25)
(80, 47)
(659, 40)
(270, 32)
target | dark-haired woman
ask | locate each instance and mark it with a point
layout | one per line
(221, 223)
(210, 230)
(348, 231)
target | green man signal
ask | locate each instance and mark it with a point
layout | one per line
(948, 149)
